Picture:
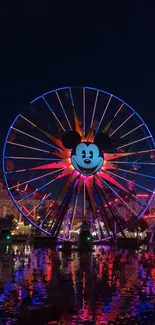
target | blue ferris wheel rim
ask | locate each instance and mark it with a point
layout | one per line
(45, 94)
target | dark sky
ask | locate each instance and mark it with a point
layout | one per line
(105, 44)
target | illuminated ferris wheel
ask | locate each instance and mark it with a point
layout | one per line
(80, 154)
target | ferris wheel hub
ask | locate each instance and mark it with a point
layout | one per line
(94, 161)
(87, 158)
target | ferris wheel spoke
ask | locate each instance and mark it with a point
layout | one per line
(63, 208)
(71, 96)
(27, 147)
(27, 120)
(94, 109)
(109, 157)
(103, 113)
(35, 138)
(76, 123)
(25, 210)
(38, 189)
(53, 139)
(121, 106)
(135, 173)
(111, 180)
(73, 213)
(47, 135)
(63, 109)
(129, 208)
(113, 213)
(109, 125)
(65, 189)
(59, 197)
(32, 158)
(103, 214)
(16, 171)
(34, 179)
(84, 112)
(138, 200)
(106, 220)
(38, 205)
(46, 102)
(89, 188)
(136, 141)
(136, 128)
(84, 199)
(55, 165)
(128, 180)
(46, 216)
(133, 163)
(62, 154)
(52, 207)
(129, 194)
(129, 117)
(107, 167)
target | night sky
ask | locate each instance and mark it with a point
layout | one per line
(104, 44)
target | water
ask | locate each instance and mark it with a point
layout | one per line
(98, 286)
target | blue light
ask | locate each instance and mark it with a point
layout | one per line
(39, 97)
(87, 159)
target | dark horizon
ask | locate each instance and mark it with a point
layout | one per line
(44, 47)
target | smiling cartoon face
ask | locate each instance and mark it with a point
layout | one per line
(86, 158)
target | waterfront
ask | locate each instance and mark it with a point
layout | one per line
(99, 286)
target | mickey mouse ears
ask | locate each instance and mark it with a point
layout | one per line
(103, 141)
(72, 138)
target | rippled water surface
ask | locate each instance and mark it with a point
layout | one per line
(98, 286)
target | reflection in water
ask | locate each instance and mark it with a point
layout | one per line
(99, 286)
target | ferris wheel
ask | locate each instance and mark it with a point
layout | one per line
(80, 154)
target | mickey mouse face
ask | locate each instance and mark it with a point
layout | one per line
(86, 158)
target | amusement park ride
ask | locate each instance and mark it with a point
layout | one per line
(80, 155)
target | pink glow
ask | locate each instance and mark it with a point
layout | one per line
(109, 157)
(105, 166)
(64, 173)
(59, 164)
(28, 212)
(149, 216)
(112, 180)
(98, 181)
